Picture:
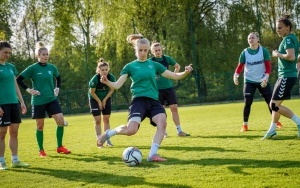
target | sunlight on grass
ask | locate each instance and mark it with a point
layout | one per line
(216, 155)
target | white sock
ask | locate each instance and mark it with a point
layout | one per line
(178, 127)
(14, 158)
(296, 119)
(111, 133)
(272, 127)
(246, 123)
(154, 149)
(2, 160)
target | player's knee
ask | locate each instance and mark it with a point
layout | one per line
(274, 107)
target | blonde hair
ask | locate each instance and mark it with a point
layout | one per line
(133, 38)
(39, 46)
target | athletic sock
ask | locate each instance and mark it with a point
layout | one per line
(111, 133)
(59, 135)
(272, 127)
(40, 139)
(154, 149)
(296, 119)
(245, 123)
(14, 158)
(2, 159)
(178, 127)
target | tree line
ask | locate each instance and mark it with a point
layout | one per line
(210, 34)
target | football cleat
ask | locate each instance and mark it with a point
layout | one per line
(102, 139)
(19, 164)
(279, 125)
(3, 166)
(244, 128)
(108, 143)
(63, 150)
(270, 135)
(156, 158)
(183, 134)
(42, 153)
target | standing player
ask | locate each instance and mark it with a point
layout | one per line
(11, 102)
(256, 60)
(44, 95)
(165, 87)
(142, 73)
(287, 54)
(100, 98)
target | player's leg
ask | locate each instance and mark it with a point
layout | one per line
(13, 136)
(137, 113)
(159, 119)
(38, 113)
(96, 112)
(248, 91)
(54, 110)
(106, 116)
(3, 131)
(266, 93)
(171, 99)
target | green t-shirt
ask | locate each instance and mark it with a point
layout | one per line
(288, 68)
(101, 89)
(162, 82)
(42, 78)
(8, 93)
(143, 77)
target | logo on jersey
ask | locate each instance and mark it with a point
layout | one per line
(49, 72)
(288, 41)
(150, 66)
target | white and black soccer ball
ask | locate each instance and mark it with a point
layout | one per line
(132, 156)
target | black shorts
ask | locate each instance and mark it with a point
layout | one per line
(250, 89)
(145, 107)
(94, 107)
(167, 96)
(283, 87)
(39, 111)
(12, 114)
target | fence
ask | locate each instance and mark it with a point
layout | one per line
(219, 88)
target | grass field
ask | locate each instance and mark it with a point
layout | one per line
(216, 155)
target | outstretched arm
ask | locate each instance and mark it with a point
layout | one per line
(114, 85)
(179, 75)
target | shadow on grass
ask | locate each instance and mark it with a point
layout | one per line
(96, 177)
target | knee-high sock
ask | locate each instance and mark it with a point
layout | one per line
(59, 135)
(40, 139)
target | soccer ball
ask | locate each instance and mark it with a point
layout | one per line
(132, 156)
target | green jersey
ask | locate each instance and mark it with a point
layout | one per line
(8, 93)
(101, 89)
(162, 82)
(143, 77)
(42, 78)
(288, 68)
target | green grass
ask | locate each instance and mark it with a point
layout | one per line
(216, 155)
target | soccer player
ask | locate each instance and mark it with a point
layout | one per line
(165, 87)
(100, 98)
(287, 54)
(11, 107)
(44, 94)
(142, 73)
(256, 60)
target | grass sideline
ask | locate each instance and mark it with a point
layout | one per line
(216, 155)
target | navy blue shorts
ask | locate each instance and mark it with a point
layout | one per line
(39, 111)
(145, 107)
(94, 107)
(167, 96)
(12, 114)
(250, 89)
(283, 87)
